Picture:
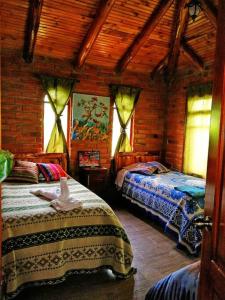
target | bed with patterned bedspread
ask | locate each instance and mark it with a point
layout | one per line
(176, 210)
(180, 285)
(43, 246)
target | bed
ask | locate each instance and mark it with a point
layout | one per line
(43, 246)
(161, 197)
(180, 285)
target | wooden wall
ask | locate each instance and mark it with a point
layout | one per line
(176, 115)
(22, 104)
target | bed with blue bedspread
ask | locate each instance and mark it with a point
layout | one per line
(171, 198)
(179, 285)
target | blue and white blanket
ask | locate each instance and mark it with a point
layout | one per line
(176, 210)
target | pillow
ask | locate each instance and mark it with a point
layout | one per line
(145, 170)
(24, 171)
(159, 167)
(51, 172)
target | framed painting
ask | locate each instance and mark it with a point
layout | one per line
(90, 117)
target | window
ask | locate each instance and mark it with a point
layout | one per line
(49, 121)
(117, 129)
(197, 135)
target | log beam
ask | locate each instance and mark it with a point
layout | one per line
(192, 56)
(159, 66)
(32, 26)
(181, 24)
(143, 36)
(210, 11)
(102, 13)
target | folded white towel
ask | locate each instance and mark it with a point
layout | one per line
(69, 204)
(48, 194)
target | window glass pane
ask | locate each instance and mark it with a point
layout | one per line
(116, 130)
(49, 121)
(197, 136)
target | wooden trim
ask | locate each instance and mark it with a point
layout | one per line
(181, 25)
(101, 16)
(192, 56)
(32, 26)
(210, 11)
(123, 159)
(143, 36)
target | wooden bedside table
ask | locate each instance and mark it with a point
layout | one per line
(94, 179)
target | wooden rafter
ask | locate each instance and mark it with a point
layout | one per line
(159, 66)
(181, 24)
(102, 13)
(192, 56)
(143, 36)
(210, 11)
(33, 21)
(189, 54)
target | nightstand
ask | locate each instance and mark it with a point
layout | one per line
(94, 179)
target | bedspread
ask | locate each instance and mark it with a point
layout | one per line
(175, 210)
(43, 246)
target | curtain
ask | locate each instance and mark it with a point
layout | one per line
(6, 164)
(197, 130)
(58, 91)
(125, 98)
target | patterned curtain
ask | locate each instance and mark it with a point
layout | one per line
(58, 91)
(125, 98)
(197, 129)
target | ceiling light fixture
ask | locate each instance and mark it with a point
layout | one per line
(194, 8)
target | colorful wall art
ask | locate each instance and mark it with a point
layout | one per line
(90, 117)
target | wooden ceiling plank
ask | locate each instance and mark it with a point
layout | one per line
(192, 56)
(210, 11)
(32, 26)
(143, 36)
(103, 11)
(181, 23)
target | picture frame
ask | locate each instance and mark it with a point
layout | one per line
(90, 117)
(88, 159)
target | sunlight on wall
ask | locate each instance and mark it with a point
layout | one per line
(49, 121)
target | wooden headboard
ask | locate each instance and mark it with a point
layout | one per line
(55, 158)
(124, 159)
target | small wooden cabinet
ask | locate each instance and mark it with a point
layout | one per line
(94, 179)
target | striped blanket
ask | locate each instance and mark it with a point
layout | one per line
(43, 246)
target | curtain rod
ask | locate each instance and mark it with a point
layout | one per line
(57, 77)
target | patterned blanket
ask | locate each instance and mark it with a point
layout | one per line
(43, 246)
(179, 285)
(174, 209)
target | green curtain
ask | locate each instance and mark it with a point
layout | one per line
(6, 164)
(58, 91)
(125, 98)
(197, 129)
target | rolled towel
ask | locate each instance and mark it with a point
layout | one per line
(48, 194)
(70, 204)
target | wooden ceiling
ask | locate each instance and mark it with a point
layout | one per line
(146, 36)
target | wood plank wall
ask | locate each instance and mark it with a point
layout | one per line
(22, 104)
(176, 116)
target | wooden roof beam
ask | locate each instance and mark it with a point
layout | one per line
(159, 66)
(143, 36)
(181, 23)
(88, 42)
(192, 56)
(210, 11)
(32, 26)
